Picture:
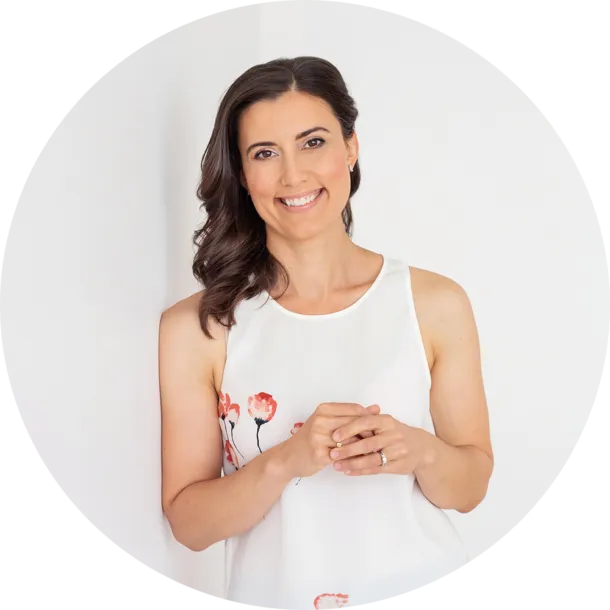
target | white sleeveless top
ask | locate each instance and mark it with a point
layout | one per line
(331, 540)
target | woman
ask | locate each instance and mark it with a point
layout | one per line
(339, 390)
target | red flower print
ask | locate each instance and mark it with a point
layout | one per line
(326, 601)
(233, 414)
(230, 412)
(224, 403)
(261, 408)
(231, 455)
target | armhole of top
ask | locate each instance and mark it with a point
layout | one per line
(415, 323)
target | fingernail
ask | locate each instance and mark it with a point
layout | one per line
(334, 454)
(337, 466)
(346, 471)
(336, 436)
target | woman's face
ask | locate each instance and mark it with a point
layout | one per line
(292, 150)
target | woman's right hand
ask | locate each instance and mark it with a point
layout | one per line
(308, 450)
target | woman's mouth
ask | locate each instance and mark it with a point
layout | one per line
(299, 204)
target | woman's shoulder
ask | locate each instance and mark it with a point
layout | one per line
(185, 304)
(442, 306)
(432, 285)
(180, 327)
(441, 303)
(185, 314)
(437, 294)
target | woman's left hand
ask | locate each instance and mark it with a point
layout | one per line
(406, 448)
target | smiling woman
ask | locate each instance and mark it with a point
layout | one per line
(295, 172)
(346, 420)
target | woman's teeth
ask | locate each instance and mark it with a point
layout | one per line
(302, 200)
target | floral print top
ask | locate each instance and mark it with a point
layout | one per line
(331, 541)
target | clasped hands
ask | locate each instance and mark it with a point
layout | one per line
(361, 433)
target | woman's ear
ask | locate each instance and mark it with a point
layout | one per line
(242, 179)
(353, 147)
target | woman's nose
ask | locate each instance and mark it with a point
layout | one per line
(292, 172)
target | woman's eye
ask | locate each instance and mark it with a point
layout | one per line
(260, 154)
(316, 140)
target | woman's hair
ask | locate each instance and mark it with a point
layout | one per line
(232, 260)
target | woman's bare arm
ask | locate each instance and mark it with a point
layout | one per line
(201, 506)
(461, 464)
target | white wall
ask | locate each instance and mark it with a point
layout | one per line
(84, 278)
(99, 246)
(461, 175)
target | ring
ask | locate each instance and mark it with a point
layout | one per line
(384, 459)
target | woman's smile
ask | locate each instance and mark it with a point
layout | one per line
(303, 203)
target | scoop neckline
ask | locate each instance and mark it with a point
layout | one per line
(334, 314)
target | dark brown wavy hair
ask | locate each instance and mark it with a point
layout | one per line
(232, 261)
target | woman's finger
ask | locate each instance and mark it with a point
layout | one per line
(366, 423)
(361, 447)
(351, 440)
(361, 462)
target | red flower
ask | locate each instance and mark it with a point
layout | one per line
(231, 455)
(223, 405)
(262, 408)
(233, 414)
(230, 412)
(326, 601)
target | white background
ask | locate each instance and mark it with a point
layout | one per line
(463, 174)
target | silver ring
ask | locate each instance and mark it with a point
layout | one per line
(384, 459)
